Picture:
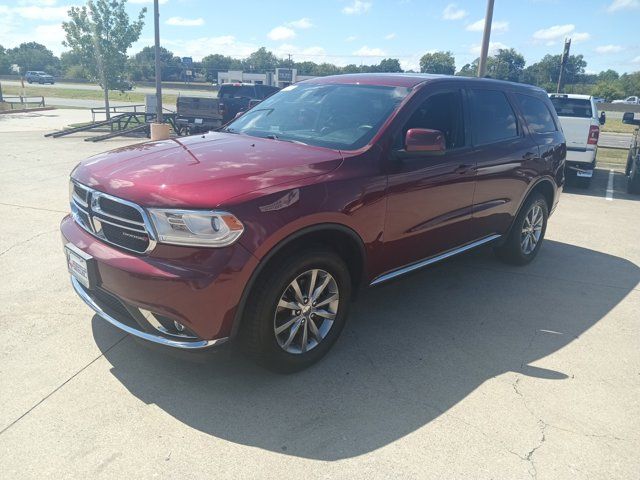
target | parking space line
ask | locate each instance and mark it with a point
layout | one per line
(609, 195)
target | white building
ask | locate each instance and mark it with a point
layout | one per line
(281, 78)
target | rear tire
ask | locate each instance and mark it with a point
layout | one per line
(278, 320)
(633, 182)
(527, 232)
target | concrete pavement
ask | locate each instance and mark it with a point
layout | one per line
(470, 369)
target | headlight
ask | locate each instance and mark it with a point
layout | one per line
(196, 228)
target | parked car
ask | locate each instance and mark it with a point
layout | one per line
(264, 231)
(581, 125)
(633, 158)
(633, 100)
(235, 97)
(39, 77)
(599, 100)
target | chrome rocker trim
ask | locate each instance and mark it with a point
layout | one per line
(199, 345)
(432, 260)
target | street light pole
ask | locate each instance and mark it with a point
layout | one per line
(156, 19)
(482, 64)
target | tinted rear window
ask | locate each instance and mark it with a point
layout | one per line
(572, 107)
(492, 118)
(536, 114)
(237, 91)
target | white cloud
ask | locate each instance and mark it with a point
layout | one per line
(390, 36)
(617, 5)
(301, 24)
(184, 22)
(580, 37)
(281, 33)
(34, 12)
(496, 27)
(636, 60)
(609, 49)
(350, 38)
(493, 48)
(147, 2)
(452, 12)
(39, 3)
(358, 7)
(200, 47)
(554, 33)
(369, 52)
(302, 54)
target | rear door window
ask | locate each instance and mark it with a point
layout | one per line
(492, 118)
(536, 114)
(237, 91)
(572, 107)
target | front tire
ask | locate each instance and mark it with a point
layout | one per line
(527, 233)
(296, 310)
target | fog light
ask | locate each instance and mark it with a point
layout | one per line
(179, 326)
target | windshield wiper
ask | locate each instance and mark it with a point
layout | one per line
(273, 136)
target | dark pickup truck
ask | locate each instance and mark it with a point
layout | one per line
(238, 97)
(197, 114)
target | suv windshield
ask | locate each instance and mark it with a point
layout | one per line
(332, 116)
(572, 107)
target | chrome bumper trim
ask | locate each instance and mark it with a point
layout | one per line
(198, 345)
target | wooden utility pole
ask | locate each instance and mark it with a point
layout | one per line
(563, 64)
(156, 20)
(484, 52)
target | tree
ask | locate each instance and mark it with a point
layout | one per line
(142, 65)
(5, 64)
(33, 56)
(507, 64)
(389, 65)
(607, 90)
(71, 66)
(469, 69)
(100, 34)
(545, 72)
(438, 62)
(261, 60)
(608, 76)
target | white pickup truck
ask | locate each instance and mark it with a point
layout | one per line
(581, 126)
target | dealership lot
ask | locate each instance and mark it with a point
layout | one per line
(470, 369)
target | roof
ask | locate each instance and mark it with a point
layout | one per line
(571, 95)
(410, 80)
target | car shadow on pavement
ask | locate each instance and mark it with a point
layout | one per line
(411, 351)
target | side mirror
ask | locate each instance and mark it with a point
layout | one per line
(629, 118)
(603, 118)
(253, 103)
(423, 140)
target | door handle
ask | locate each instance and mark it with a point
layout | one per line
(464, 168)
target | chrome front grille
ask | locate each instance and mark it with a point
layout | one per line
(114, 220)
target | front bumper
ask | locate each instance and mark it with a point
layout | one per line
(144, 295)
(116, 320)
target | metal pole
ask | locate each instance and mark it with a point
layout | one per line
(156, 15)
(563, 64)
(482, 64)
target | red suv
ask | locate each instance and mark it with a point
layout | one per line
(263, 232)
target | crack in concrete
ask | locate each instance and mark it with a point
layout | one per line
(27, 240)
(32, 208)
(42, 400)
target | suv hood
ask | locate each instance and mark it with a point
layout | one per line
(202, 171)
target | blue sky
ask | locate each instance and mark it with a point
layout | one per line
(363, 31)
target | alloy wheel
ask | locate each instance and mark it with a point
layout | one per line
(306, 311)
(532, 229)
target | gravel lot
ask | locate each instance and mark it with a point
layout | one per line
(470, 369)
